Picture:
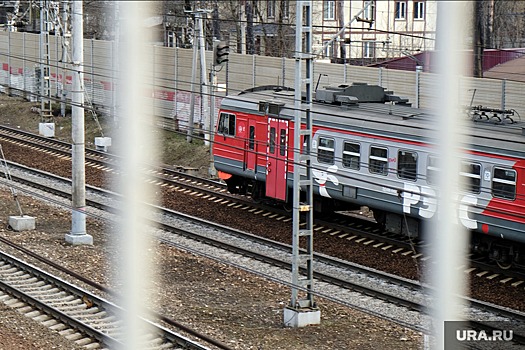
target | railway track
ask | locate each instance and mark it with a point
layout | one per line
(394, 296)
(103, 161)
(361, 231)
(78, 315)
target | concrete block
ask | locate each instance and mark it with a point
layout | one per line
(301, 317)
(102, 143)
(22, 223)
(79, 239)
(46, 129)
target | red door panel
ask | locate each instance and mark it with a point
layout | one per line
(276, 158)
(251, 155)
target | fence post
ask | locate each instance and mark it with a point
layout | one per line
(283, 64)
(92, 74)
(176, 116)
(227, 78)
(9, 61)
(253, 71)
(24, 64)
(503, 90)
(419, 69)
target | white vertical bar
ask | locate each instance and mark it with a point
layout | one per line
(448, 235)
(137, 144)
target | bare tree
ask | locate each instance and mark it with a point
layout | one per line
(509, 23)
(479, 38)
(277, 37)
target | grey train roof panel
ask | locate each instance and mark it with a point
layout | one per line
(388, 119)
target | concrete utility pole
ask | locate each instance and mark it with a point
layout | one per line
(78, 233)
(199, 49)
(302, 312)
(65, 53)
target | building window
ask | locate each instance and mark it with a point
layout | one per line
(328, 49)
(471, 175)
(401, 9)
(227, 124)
(368, 49)
(407, 165)
(351, 155)
(419, 9)
(329, 10)
(285, 8)
(378, 162)
(325, 150)
(270, 10)
(369, 14)
(504, 183)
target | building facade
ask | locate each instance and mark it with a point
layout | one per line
(373, 30)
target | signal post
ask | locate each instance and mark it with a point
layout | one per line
(221, 51)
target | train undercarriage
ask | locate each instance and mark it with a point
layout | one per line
(504, 253)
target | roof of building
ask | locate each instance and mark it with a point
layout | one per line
(495, 62)
(510, 70)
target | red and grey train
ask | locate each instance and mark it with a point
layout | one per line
(371, 148)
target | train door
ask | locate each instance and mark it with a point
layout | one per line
(241, 135)
(276, 158)
(251, 149)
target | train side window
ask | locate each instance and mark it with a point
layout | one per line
(378, 161)
(432, 170)
(282, 143)
(251, 141)
(504, 183)
(471, 175)
(351, 155)
(272, 140)
(407, 165)
(326, 150)
(226, 124)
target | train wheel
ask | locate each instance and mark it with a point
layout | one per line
(504, 265)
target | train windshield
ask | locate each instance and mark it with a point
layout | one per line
(226, 124)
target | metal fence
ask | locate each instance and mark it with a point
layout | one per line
(170, 86)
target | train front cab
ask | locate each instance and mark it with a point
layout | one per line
(251, 154)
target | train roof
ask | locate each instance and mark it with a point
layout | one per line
(372, 110)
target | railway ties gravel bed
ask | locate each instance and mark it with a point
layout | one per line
(78, 315)
(363, 289)
(356, 300)
(173, 185)
(380, 306)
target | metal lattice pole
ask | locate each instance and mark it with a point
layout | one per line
(303, 310)
(46, 115)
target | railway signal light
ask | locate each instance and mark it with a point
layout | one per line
(220, 53)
